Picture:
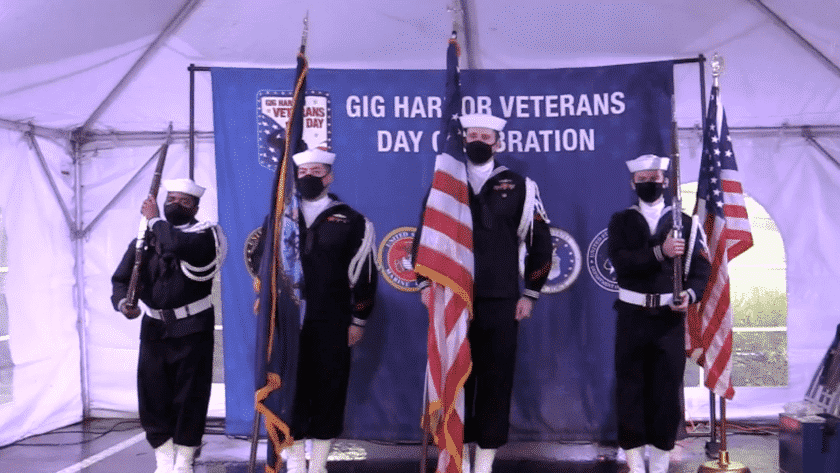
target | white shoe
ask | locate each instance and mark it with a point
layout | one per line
(659, 460)
(320, 452)
(165, 457)
(636, 459)
(484, 459)
(184, 458)
(296, 458)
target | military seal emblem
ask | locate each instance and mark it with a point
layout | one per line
(599, 264)
(566, 261)
(394, 259)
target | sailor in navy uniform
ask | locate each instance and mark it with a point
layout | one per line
(175, 366)
(506, 210)
(650, 331)
(340, 279)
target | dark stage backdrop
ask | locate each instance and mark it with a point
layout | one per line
(568, 129)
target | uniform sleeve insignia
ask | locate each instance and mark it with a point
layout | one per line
(504, 185)
(338, 218)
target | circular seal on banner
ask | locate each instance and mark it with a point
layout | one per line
(599, 264)
(250, 245)
(395, 259)
(566, 261)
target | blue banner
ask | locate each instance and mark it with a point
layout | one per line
(570, 130)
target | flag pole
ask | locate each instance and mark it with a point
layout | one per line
(255, 427)
(722, 464)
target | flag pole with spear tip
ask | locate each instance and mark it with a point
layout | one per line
(281, 200)
(722, 464)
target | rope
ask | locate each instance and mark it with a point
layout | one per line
(190, 271)
(354, 270)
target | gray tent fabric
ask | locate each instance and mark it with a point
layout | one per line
(69, 201)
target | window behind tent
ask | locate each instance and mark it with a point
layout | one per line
(5, 354)
(758, 294)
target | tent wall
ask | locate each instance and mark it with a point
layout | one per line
(794, 182)
(770, 80)
(113, 340)
(43, 340)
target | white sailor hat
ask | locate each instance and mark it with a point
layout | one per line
(482, 120)
(648, 162)
(186, 186)
(314, 155)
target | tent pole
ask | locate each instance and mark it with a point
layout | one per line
(87, 230)
(78, 257)
(28, 127)
(64, 210)
(192, 121)
(186, 9)
(81, 304)
(804, 42)
(470, 43)
(809, 137)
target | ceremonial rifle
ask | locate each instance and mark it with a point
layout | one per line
(676, 203)
(132, 293)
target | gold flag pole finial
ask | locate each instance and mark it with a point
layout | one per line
(717, 68)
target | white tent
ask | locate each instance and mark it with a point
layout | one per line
(88, 89)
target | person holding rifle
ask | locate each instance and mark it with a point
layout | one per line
(179, 258)
(650, 328)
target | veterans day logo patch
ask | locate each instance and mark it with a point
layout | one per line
(599, 264)
(274, 108)
(566, 261)
(395, 259)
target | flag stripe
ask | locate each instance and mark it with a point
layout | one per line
(445, 256)
(442, 243)
(452, 228)
(449, 205)
(721, 208)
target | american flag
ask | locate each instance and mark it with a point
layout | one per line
(721, 210)
(445, 256)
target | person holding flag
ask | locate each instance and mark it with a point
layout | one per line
(650, 327)
(336, 245)
(317, 279)
(466, 257)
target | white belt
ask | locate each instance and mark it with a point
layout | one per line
(184, 311)
(644, 300)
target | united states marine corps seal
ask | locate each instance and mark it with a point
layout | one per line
(395, 259)
(566, 261)
(599, 264)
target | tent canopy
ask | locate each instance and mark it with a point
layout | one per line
(112, 68)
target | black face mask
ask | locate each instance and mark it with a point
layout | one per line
(310, 186)
(177, 214)
(649, 191)
(479, 152)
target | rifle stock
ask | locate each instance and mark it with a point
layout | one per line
(132, 293)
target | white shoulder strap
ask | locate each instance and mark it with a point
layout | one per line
(197, 273)
(363, 255)
(533, 204)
